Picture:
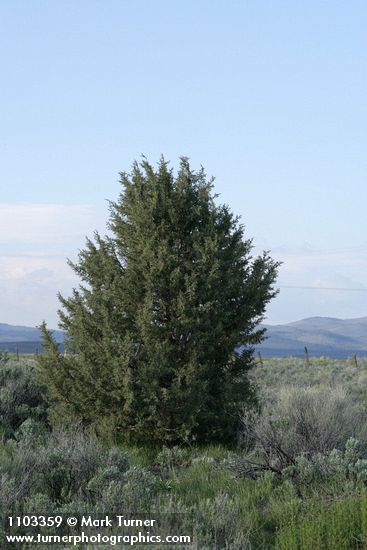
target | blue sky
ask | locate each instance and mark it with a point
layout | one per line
(269, 96)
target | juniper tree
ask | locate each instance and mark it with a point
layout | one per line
(160, 332)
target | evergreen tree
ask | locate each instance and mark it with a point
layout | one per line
(161, 330)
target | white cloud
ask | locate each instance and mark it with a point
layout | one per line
(35, 241)
(29, 287)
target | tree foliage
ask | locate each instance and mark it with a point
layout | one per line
(162, 327)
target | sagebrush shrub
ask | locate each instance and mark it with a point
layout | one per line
(169, 459)
(303, 421)
(4, 357)
(21, 397)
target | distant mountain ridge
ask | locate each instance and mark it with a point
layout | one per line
(13, 333)
(24, 339)
(323, 336)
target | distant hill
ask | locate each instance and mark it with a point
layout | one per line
(323, 336)
(23, 339)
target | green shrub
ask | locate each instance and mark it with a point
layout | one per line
(116, 466)
(4, 357)
(58, 468)
(21, 397)
(303, 421)
(170, 459)
(219, 524)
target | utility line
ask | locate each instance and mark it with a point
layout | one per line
(325, 288)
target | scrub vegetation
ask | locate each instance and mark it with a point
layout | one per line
(295, 479)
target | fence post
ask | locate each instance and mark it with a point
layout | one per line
(307, 357)
(260, 359)
(354, 359)
(17, 354)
